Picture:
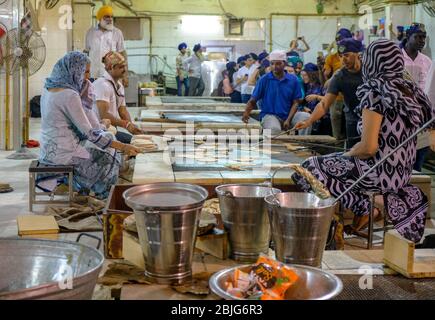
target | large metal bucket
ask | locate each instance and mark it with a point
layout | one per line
(45, 269)
(300, 224)
(244, 214)
(167, 217)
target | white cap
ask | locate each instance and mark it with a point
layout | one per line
(278, 55)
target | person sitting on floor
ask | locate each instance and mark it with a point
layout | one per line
(392, 108)
(110, 97)
(280, 94)
(68, 138)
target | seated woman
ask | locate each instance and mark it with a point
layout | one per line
(392, 109)
(87, 95)
(314, 92)
(68, 138)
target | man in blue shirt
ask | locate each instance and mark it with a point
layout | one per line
(280, 94)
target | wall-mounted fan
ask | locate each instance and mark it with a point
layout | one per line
(21, 51)
(429, 7)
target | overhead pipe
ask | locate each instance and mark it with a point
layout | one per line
(297, 15)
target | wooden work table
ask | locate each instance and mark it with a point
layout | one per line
(336, 262)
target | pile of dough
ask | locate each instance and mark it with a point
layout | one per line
(144, 144)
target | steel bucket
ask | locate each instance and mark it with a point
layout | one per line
(244, 214)
(167, 217)
(300, 224)
(44, 269)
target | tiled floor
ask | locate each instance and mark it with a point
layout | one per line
(15, 172)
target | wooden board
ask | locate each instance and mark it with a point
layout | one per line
(37, 225)
(400, 255)
(308, 138)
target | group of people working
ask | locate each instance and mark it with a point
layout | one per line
(382, 94)
(376, 99)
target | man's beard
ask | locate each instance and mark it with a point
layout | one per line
(106, 25)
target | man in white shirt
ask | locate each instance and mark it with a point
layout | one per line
(430, 91)
(103, 38)
(110, 96)
(193, 65)
(244, 73)
(418, 65)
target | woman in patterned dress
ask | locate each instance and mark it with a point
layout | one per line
(67, 136)
(391, 109)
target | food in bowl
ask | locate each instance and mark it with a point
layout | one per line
(267, 279)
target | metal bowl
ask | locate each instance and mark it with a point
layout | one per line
(47, 269)
(313, 283)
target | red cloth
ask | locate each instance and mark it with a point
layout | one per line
(32, 144)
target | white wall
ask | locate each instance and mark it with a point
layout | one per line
(169, 31)
(56, 41)
(316, 30)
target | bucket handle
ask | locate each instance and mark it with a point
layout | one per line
(90, 236)
(331, 234)
(227, 193)
(270, 184)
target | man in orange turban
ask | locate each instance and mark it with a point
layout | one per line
(103, 38)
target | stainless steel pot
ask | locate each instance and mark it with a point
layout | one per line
(44, 269)
(300, 225)
(167, 216)
(244, 213)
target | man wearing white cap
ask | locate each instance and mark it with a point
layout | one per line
(103, 38)
(280, 94)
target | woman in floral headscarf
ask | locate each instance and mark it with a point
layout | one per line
(392, 108)
(67, 136)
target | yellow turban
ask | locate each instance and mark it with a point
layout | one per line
(104, 11)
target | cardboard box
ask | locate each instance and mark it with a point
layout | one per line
(113, 218)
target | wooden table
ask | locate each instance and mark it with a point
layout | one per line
(337, 262)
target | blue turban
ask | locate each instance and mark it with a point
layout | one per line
(311, 67)
(265, 63)
(400, 28)
(196, 47)
(350, 45)
(231, 65)
(415, 28)
(252, 55)
(182, 46)
(343, 33)
(292, 54)
(241, 59)
(293, 61)
(262, 56)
